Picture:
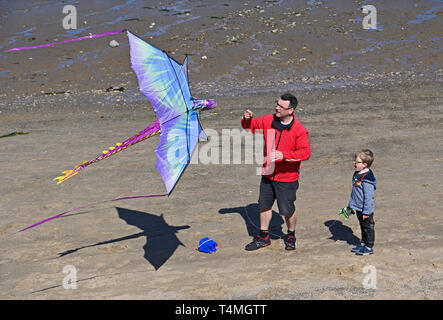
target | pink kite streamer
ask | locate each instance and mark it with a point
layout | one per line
(88, 206)
(149, 131)
(70, 40)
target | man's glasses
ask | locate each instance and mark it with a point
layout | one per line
(280, 106)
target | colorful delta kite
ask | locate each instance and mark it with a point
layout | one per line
(164, 82)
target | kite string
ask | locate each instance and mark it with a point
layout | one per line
(258, 228)
(276, 235)
(87, 206)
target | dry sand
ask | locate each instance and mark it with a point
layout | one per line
(145, 248)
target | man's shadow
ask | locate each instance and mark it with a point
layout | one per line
(161, 238)
(341, 232)
(251, 216)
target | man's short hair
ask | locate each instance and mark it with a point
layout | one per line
(291, 98)
(366, 156)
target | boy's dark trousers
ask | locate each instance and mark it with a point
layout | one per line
(367, 229)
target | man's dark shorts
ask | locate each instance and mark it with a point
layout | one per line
(284, 192)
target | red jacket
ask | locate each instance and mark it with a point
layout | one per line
(292, 141)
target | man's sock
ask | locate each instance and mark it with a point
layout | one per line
(291, 233)
(264, 234)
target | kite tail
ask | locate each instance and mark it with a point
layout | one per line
(87, 206)
(146, 133)
(66, 41)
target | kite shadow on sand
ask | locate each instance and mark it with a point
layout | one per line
(340, 232)
(251, 215)
(161, 238)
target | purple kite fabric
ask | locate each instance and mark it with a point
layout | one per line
(66, 41)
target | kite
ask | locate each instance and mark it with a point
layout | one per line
(164, 82)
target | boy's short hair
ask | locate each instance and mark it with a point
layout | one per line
(291, 98)
(366, 156)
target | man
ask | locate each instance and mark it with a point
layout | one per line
(286, 145)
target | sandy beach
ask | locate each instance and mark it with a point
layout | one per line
(357, 88)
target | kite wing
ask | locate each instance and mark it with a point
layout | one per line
(165, 83)
(161, 79)
(178, 140)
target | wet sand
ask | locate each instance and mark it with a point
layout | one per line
(356, 89)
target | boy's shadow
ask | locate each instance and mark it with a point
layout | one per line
(251, 216)
(161, 237)
(341, 232)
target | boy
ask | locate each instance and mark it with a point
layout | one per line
(364, 184)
